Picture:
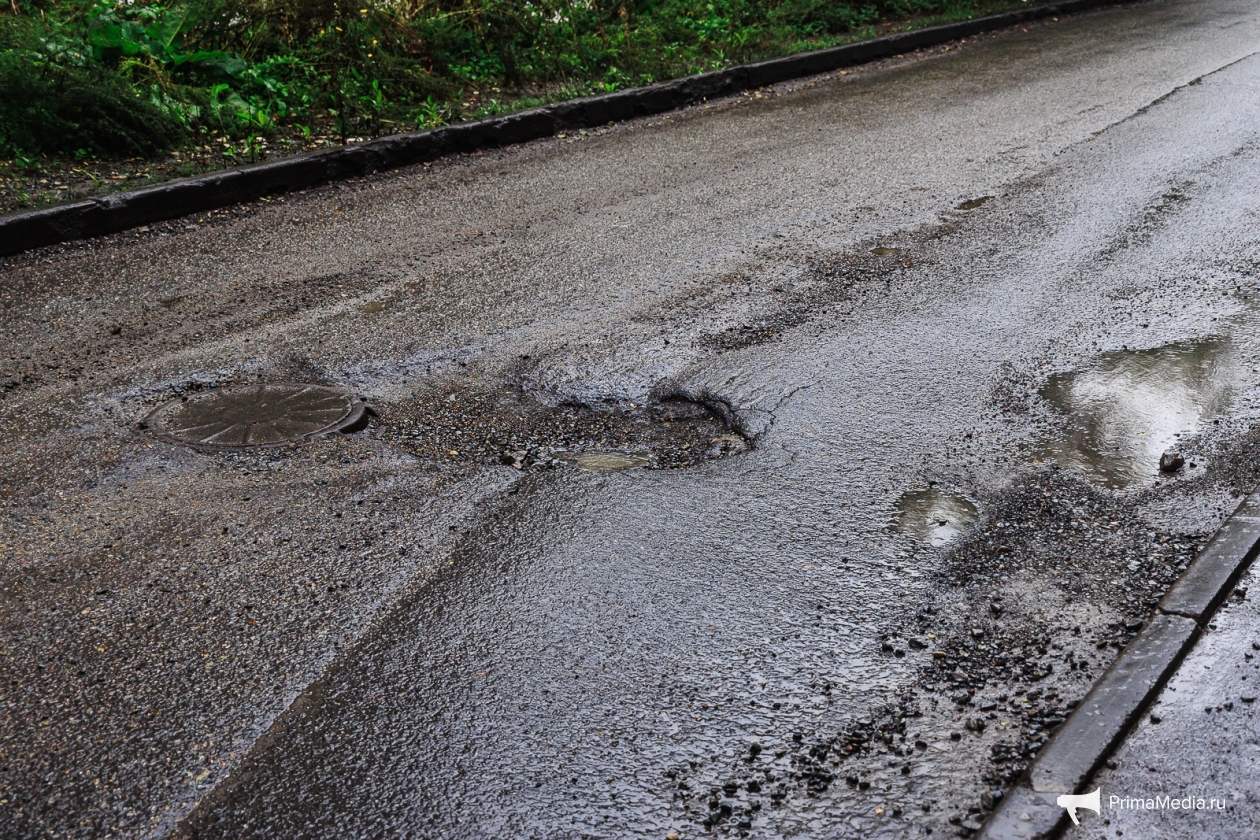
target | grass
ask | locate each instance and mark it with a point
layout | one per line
(98, 92)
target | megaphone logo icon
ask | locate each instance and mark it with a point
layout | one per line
(1083, 800)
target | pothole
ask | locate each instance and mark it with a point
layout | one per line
(1127, 409)
(973, 203)
(611, 461)
(257, 416)
(934, 516)
(495, 425)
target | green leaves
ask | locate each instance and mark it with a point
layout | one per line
(116, 32)
(211, 64)
(120, 32)
(95, 72)
(432, 114)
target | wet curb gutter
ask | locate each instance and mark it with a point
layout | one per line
(1111, 708)
(29, 229)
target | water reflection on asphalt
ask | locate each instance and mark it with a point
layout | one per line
(1129, 407)
(933, 515)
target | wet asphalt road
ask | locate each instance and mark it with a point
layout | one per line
(1197, 746)
(467, 649)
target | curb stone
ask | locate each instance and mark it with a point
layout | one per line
(1026, 815)
(28, 229)
(1113, 705)
(1210, 579)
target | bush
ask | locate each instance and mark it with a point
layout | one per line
(55, 99)
(135, 77)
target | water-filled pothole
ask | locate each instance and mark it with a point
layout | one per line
(501, 425)
(612, 461)
(933, 515)
(259, 416)
(1124, 411)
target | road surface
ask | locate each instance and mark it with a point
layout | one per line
(889, 357)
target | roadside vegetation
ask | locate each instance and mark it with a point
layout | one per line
(91, 87)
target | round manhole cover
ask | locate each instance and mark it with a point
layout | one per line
(255, 416)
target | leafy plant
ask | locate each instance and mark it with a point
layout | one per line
(432, 114)
(54, 98)
(129, 78)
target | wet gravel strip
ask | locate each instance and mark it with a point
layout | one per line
(1120, 697)
(1008, 646)
(1058, 577)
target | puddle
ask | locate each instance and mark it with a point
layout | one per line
(604, 461)
(1128, 408)
(373, 306)
(972, 204)
(885, 252)
(934, 516)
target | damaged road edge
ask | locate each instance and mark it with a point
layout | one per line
(1114, 704)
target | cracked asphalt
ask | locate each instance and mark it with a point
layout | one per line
(1003, 275)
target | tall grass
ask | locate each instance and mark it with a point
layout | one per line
(106, 78)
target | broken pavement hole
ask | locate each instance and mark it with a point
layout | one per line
(611, 461)
(499, 425)
(1031, 606)
(256, 416)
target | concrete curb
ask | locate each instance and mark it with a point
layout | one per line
(1115, 703)
(25, 230)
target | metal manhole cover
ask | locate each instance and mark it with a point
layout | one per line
(255, 416)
